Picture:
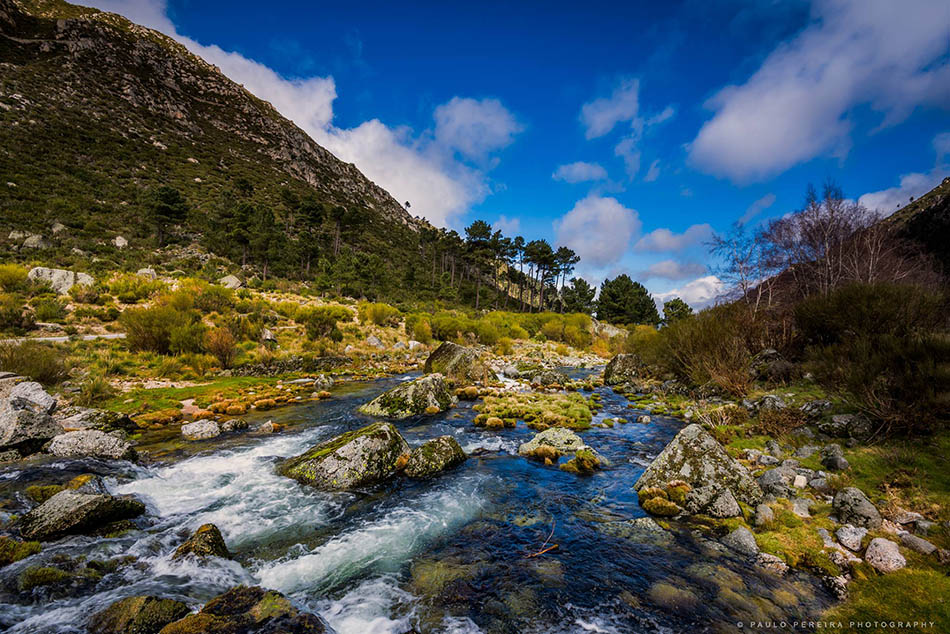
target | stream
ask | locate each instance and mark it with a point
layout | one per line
(450, 554)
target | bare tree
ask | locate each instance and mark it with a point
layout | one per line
(746, 266)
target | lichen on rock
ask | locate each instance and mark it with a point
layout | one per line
(459, 363)
(433, 457)
(412, 398)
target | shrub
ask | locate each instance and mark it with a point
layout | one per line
(41, 362)
(162, 328)
(419, 328)
(208, 298)
(94, 390)
(13, 278)
(49, 310)
(85, 293)
(15, 317)
(779, 422)
(321, 321)
(377, 313)
(187, 336)
(504, 346)
(486, 332)
(221, 344)
(130, 288)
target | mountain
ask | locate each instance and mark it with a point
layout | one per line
(96, 110)
(926, 221)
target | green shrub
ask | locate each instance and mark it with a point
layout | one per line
(39, 361)
(49, 310)
(486, 332)
(94, 390)
(220, 343)
(162, 328)
(130, 288)
(377, 313)
(13, 278)
(209, 298)
(321, 321)
(419, 328)
(85, 293)
(15, 316)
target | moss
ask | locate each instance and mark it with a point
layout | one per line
(12, 550)
(646, 493)
(539, 411)
(265, 404)
(41, 576)
(677, 490)
(39, 493)
(545, 453)
(432, 410)
(660, 506)
(923, 593)
(584, 462)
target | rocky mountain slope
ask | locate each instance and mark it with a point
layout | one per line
(926, 221)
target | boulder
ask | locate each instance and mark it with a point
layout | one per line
(249, 609)
(233, 424)
(33, 392)
(200, 430)
(563, 440)
(147, 272)
(853, 507)
(697, 458)
(411, 398)
(207, 541)
(622, 368)
(763, 515)
(375, 342)
(354, 459)
(815, 409)
(917, 544)
(74, 512)
(742, 541)
(120, 242)
(60, 279)
(433, 457)
(458, 362)
(35, 241)
(414, 345)
(84, 418)
(832, 457)
(777, 482)
(230, 281)
(550, 377)
(137, 615)
(91, 443)
(845, 425)
(25, 426)
(884, 555)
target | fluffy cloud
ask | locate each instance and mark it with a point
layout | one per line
(423, 169)
(664, 240)
(916, 184)
(579, 172)
(627, 150)
(653, 173)
(508, 226)
(890, 55)
(475, 128)
(699, 293)
(672, 270)
(601, 115)
(757, 207)
(599, 229)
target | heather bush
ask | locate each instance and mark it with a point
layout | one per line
(162, 328)
(378, 314)
(220, 343)
(41, 362)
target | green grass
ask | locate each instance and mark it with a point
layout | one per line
(146, 400)
(910, 594)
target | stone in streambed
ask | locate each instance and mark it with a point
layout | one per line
(137, 615)
(200, 430)
(355, 459)
(621, 369)
(458, 362)
(562, 440)
(91, 443)
(25, 426)
(433, 457)
(75, 512)
(33, 392)
(248, 609)
(412, 398)
(207, 541)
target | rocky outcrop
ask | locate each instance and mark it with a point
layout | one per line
(207, 541)
(243, 609)
(434, 456)
(411, 399)
(75, 512)
(695, 457)
(25, 426)
(200, 430)
(85, 418)
(137, 615)
(355, 459)
(91, 443)
(33, 392)
(60, 279)
(742, 541)
(558, 438)
(458, 362)
(853, 507)
(621, 369)
(230, 281)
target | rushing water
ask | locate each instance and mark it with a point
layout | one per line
(446, 555)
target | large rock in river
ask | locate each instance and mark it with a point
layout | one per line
(34, 392)
(411, 398)
(696, 458)
(92, 443)
(83, 418)
(458, 362)
(73, 512)
(558, 438)
(137, 615)
(25, 426)
(434, 456)
(243, 610)
(621, 369)
(207, 541)
(355, 459)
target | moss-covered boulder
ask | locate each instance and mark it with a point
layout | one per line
(412, 398)
(562, 440)
(137, 615)
(433, 457)
(248, 609)
(74, 512)
(354, 459)
(697, 459)
(459, 363)
(621, 369)
(207, 541)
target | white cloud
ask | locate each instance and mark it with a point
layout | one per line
(662, 240)
(757, 207)
(628, 151)
(653, 173)
(599, 229)
(795, 107)
(915, 184)
(475, 128)
(579, 172)
(508, 226)
(420, 168)
(672, 270)
(601, 115)
(942, 146)
(699, 293)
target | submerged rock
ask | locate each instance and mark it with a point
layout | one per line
(563, 440)
(137, 615)
(249, 609)
(643, 530)
(433, 457)
(459, 363)
(25, 426)
(696, 458)
(354, 459)
(411, 398)
(205, 542)
(74, 512)
(853, 507)
(621, 369)
(92, 443)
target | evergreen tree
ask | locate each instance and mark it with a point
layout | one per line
(675, 309)
(623, 301)
(578, 297)
(165, 207)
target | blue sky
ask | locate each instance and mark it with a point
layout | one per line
(627, 131)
